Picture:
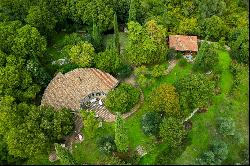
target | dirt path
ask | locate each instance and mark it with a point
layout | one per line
(172, 64)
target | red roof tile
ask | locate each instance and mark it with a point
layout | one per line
(183, 43)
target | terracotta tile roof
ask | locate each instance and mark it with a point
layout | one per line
(66, 90)
(183, 43)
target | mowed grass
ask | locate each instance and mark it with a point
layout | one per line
(204, 124)
(88, 151)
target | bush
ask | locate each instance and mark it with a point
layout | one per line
(68, 67)
(216, 154)
(124, 71)
(171, 54)
(164, 99)
(169, 155)
(150, 123)
(172, 131)
(109, 61)
(226, 126)
(106, 144)
(158, 71)
(123, 98)
(207, 58)
(183, 62)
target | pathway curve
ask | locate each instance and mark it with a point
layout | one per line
(172, 64)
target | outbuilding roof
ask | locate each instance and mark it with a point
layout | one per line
(67, 90)
(183, 43)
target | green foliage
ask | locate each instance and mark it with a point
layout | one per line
(86, 10)
(15, 81)
(150, 123)
(109, 61)
(172, 131)
(132, 10)
(116, 32)
(96, 37)
(90, 123)
(169, 155)
(226, 126)
(5, 157)
(64, 155)
(215, 28)
(240, 45)
(72, 39)
(216, 154)
(146, 44)
(39, 74)
(171, 54)
(8, 31)
(122, 99)
(195, 91)
(164, 99)
(183, 62)
(210, 8)
(207, 58)
(30, 130)
(82, 54)
(29, 43)
(41, 18)
(121, 134)
(106, 144)
(158, 71)
(141, 70)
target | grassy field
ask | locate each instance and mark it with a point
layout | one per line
(204, 124)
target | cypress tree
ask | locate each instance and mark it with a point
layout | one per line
(96, 37)
(117, 44)
(121, 135)
(132, 11)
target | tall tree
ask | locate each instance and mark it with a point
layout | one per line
(146, 44)
(41, 18)
(82, 54)
(96, 37)
(116, 30)
(195, 91)
(132, 11)
(164, 99)
(8, 32)
(29, 43)
(172, 131)
(207, 58)
(121, 135)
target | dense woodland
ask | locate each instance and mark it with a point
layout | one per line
(35, 33)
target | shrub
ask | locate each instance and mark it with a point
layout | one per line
(172, 131)
(171, 54)
(124, 71)
(226, 126)
(123, 98)
(207, 58)
(164, 99)
(216, 154)
(106, 144)
(158, 71)
(150, 123)
(183, 62)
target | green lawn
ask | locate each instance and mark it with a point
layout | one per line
(204, 128)
(87, 151)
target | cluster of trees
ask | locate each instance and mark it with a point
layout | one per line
(146, 77)
(146, 44)
(30, 130)
(207, 58)
(123, 98)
